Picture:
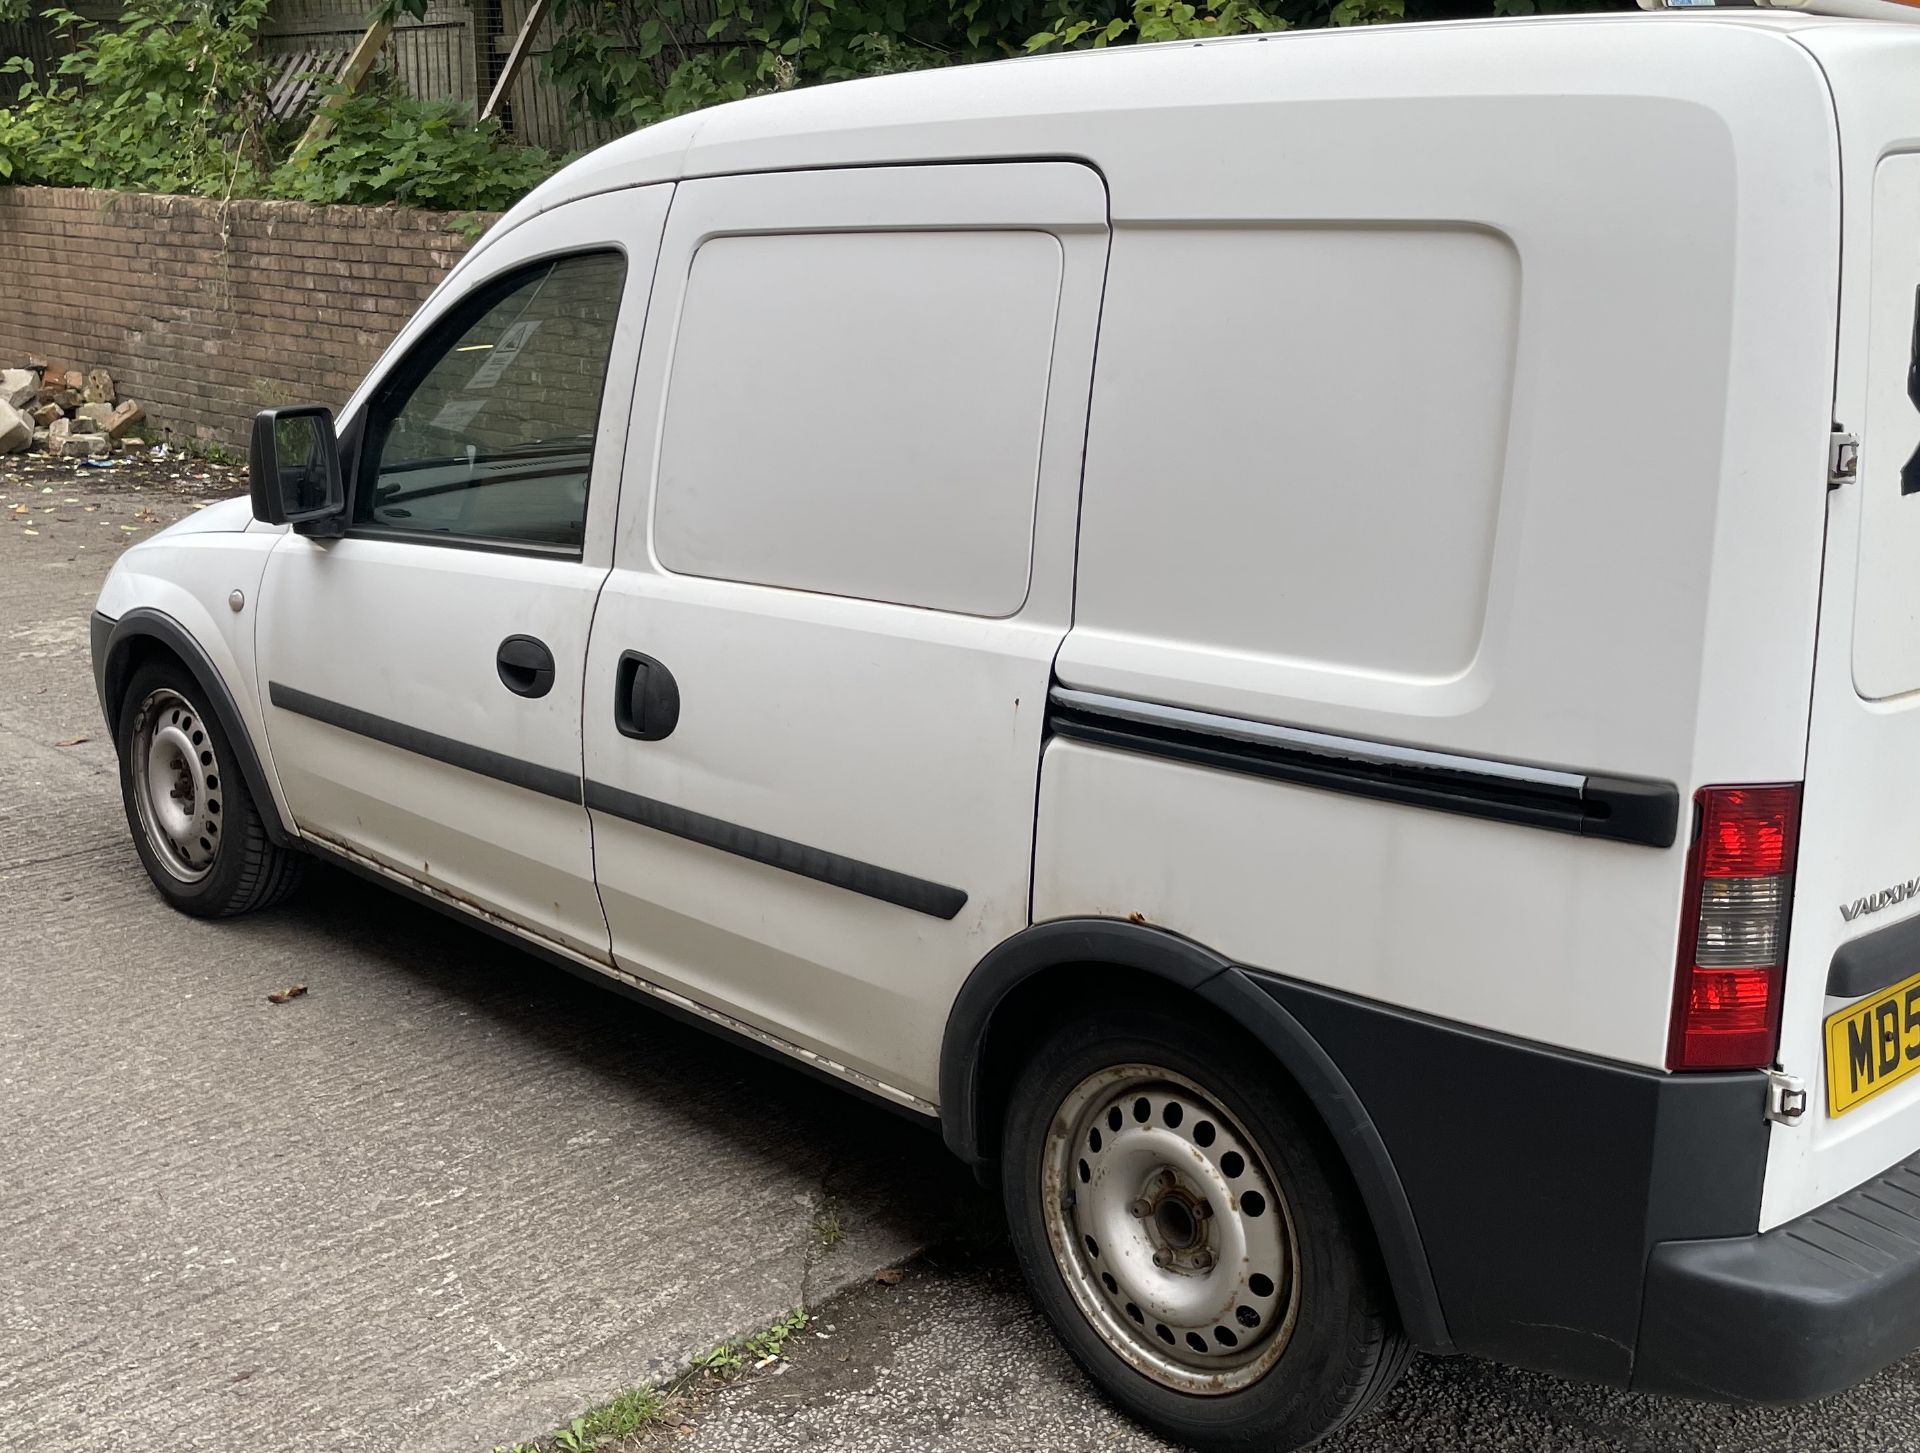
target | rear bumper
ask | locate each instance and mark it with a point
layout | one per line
(1789, 1315)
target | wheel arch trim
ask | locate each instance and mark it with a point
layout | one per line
(113, 665)
(1219, 983)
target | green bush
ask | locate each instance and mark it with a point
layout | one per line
(392, 148)
(172, 99)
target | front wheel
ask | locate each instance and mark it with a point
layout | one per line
(1187, 1227)
(195, 826)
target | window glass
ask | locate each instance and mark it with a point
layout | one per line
(487, 433)
(860, 414)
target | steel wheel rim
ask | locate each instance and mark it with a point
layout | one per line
(176, 785)
(1169, 1230)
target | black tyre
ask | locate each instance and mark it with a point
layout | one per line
(1185, 1223)
(196, 827)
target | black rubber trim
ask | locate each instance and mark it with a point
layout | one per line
(1797, 1313)
(112, 644)
(902, 889)
(1481, 1159)
(1875, 961)
(530, 549)
(1623, 809)
(1542, 1179)
(1180, 961)
(604, 980)
(548, 781)
(100, 632)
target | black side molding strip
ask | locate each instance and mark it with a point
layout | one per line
(548, 781)
(1590, 804)
(1875, 961)
(902, 889)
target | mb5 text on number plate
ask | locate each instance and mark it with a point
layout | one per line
(1873, 1045)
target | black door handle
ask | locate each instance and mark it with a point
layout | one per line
(646, 698)
(525, 666)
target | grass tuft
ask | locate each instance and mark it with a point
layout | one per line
(641, 1409)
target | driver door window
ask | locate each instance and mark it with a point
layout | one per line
(485, 435)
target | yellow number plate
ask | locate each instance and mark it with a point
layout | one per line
(1873, 1045)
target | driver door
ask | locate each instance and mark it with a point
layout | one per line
(422, 675)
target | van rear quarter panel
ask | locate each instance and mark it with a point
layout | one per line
(1576, 523)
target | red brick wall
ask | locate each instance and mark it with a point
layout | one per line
(206, 312)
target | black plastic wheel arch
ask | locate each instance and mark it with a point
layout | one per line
(1218, 983)
(113, 665)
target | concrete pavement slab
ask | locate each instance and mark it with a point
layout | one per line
(445, 1200)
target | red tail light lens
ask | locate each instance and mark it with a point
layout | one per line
(1733, 936)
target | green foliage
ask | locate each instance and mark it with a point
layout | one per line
(171, 99)
(640, 62)
(174, 99)
(1152, 20)
(639, 1409)
(392, 148)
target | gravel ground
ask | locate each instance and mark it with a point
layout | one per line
(954, 1359)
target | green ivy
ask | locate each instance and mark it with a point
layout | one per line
(170, 99)
(173, 98)
(392, 148)
(639, 62)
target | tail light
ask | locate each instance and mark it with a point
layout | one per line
(1733, 934)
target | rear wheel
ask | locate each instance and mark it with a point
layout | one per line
(195, 826)
(1190, 1232)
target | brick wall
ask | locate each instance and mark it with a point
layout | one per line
(206, 312)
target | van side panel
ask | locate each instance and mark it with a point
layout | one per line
(1563, 519)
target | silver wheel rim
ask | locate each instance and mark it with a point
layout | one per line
(176, 785)
(1169, 1230)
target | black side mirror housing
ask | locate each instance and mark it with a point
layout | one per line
(293, 467)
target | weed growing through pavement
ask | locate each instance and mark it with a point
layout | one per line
(641, 1408)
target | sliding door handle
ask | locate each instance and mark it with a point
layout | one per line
(646, 698)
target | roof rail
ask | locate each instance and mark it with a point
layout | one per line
(1907, 10)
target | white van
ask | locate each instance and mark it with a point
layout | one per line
(1312, 642)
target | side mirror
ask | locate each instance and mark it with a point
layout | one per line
(294, 469)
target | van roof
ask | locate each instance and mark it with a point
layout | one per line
(1059, 105)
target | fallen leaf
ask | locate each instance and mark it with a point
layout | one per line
(285, 994)
(73, 741)
(29, 532)
(21, 510)
(888, 1276)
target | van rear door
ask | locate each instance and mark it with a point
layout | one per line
(1851, 1022)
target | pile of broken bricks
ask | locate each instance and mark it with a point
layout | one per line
(67, 413)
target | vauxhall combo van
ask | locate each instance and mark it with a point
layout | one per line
(1310, 643)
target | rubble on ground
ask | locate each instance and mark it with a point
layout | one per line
(67, 412)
